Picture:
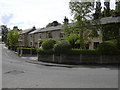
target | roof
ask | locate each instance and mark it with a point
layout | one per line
(25, 31)
(35, 31)
(110, 20)
(28, 30)
(52, 28)
(59, 27)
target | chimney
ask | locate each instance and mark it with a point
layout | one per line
(34, 28)
(66, 21)
(55, 23)
(15, 27)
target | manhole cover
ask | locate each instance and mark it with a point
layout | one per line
(14, 72)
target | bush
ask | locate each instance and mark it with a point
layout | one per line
(45, 52)
(62, 46)
(73, 39)
(25, 48)
(82, 51)
(48, 44)
(108, 47)
(40, 42)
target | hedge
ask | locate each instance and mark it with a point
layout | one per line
(45, 52)
(77, 52)
(25, 48)
(61, 47)
(48, 44)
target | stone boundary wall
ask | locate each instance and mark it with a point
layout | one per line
(80, 59)
(22, 52)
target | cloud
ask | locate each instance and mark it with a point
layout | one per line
(27, 13)
(33, 12)
(6, 17)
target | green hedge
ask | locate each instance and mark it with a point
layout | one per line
(82, 51)
(25, 48)
(48, 44)
(77, 52)
(108, 47)
(62, 46)
(45, 52)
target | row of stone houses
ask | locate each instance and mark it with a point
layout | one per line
(32, 36)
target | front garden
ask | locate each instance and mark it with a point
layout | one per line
(62, 52)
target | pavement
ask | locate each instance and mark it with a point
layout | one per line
(34, 59)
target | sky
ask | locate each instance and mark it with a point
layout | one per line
(28, 13)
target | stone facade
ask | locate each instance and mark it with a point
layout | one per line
(31, 37)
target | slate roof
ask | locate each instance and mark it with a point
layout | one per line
(110, 20)
(37, 30)
(59, 27)
(26, 31)
(52, 28)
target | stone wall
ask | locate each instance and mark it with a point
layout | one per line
(81, 59)
(22, 52)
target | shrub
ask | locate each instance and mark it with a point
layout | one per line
(108, 47)
(40, 42)
(82, 51)
(48, 44)
(73, 39)
(62, 46)
(45, 52)
(25, 48)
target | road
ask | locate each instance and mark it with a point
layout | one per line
(16, 73)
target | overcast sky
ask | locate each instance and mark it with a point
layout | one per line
(28, 13)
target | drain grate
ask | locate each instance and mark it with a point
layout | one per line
(14, 72)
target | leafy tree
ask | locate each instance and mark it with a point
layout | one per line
(68, 29)
(12, 37)
(117, 9)
(98, 8)
(82, 12)
(73, 38)
(54, 23)
(107, 8)
(111, 31)
(4, 33)
(118, 6)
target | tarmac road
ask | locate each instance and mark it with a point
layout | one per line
(17, 73)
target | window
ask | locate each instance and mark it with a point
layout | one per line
(31, 43)
(96, 45)
(61, 35)
(49, 35)
(87, 46)
(40, 36)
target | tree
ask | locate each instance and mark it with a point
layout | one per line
(117, 9)
(118, 6)
(54, 23)
(107, 8)
(12, 37)
(4, 33)
(98, 8)
(111, 31)
(73, 38)
(82, 12)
